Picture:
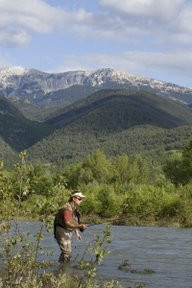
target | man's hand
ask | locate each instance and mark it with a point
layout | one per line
(82, 227)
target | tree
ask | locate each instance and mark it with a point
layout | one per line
(96, 167)
(178, 167)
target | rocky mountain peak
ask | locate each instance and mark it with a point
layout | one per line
(15, 70)
(33, 84)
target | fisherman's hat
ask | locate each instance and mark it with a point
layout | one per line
(78, 194)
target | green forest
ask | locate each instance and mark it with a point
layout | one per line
(128, 190)
(73, 143)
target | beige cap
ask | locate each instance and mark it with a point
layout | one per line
(78, 194)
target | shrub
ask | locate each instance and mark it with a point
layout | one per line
(109, 201)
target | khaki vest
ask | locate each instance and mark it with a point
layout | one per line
(59, 219)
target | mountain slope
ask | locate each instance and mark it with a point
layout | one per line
(6, 153)
(68, 95)
(118, 122)
(69, 145)
(120, 109)
(16, 130)
(105, 119)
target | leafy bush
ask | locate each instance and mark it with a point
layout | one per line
(144, 200)
(91, 203)
(109, 201)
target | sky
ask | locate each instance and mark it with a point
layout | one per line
(152, 38)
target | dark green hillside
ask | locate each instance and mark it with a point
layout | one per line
(17, 131)
(30, 110)
(74, 143)
(116, 110)
(6, 153)
(118, 121)
(52, 103)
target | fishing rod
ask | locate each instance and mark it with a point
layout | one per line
(78, 216)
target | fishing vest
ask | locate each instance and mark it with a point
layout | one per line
(59, 217)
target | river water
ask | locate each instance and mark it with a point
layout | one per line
(165, 251)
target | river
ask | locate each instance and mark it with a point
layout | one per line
(167, 252)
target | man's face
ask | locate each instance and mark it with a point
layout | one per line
(77, 200)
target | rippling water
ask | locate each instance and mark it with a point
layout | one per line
(167, 251)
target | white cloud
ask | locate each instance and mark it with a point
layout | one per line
(18, 21)
(34, 15)
(166, 22)
(161, 20)
(150, 8)
(184, 19)
(14, 38)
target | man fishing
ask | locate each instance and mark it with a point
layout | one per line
(66, 221)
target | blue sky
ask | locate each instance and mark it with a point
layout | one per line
(147, 37)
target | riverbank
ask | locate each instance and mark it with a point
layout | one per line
(150, 221)
(131, 220)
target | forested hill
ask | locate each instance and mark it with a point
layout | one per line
(121, 109)
(16, 130)
(46, 106)
(118, 121)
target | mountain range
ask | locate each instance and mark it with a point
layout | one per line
(82, 111)
(34, 85)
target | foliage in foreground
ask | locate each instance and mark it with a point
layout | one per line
(22, 267)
